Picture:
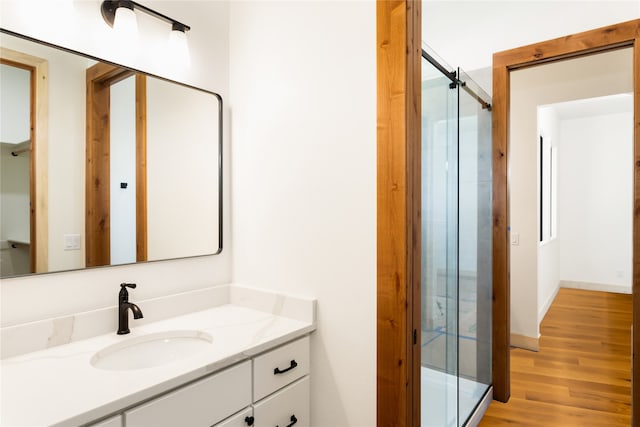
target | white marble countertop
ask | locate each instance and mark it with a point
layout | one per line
(58, 386)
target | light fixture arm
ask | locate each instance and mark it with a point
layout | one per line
(108, 9)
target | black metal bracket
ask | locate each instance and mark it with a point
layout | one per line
(108, 10)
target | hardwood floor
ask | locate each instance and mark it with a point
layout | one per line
(582, 374)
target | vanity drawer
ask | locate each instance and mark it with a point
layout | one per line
(111, 422)
(241, 419)
(201, 404)
(279, 367)
(288, 407)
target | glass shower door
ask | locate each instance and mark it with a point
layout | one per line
(439, 323)
(474, 246)
(456, 245)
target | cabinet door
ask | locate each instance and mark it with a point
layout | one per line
(241, 419)
(201, 404)
(288, 407)
(277, 368)
(110, 422)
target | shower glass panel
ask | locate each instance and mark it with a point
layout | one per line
(474, 246)
(439, 383)
(456, 245)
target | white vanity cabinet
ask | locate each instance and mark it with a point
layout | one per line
(200, 404)
(270, 390)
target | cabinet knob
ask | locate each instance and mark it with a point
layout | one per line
(249, 420)
(292, 365)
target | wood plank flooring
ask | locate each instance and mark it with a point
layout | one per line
(582, 374)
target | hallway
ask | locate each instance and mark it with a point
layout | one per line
(582, 374)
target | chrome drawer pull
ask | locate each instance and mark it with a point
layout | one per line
(293, 421)
(277, 371)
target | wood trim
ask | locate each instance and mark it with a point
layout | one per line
(573, 45)
(414, 199)
(501, 314)
(97, 195)
(33, 170)
(398, 207)
(601, 39)
(635, 338)
(141, 167)
(39, 168)
(100, 77)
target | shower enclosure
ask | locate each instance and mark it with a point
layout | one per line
(456, 246)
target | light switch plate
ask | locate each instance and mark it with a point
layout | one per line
(71, 242)
(515, 239)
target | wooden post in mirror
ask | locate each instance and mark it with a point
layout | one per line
(100, 79)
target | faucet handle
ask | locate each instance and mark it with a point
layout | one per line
(128, 285)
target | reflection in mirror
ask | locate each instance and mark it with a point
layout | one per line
(103, 165)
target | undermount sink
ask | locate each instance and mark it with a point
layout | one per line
(151, 350)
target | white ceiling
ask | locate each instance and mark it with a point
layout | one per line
(467, 33)
(612, 104)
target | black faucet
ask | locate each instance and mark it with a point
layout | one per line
(123, 307)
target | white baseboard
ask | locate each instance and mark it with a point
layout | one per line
(603, 287)
(547, 304)
(523, 341)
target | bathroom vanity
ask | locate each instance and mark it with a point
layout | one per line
(242, 362)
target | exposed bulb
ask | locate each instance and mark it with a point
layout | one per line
(125, 23)
(179, 48)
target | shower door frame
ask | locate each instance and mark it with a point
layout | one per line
(625, 34)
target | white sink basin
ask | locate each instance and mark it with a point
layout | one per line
(151, 350)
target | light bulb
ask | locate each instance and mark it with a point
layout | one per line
(125, 23)
(179, 49)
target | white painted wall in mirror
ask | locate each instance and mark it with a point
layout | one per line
(182, 128)
(122, 152)
(15, 109)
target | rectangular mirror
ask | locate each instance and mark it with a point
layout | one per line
(101, 164)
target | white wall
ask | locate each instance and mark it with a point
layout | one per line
(122, 165)
(585, 77)
(80, 27)
(15, 111)
(549, 251)
(190, 152)
(304, 181)
(595, 199)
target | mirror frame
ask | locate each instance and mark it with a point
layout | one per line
(220, 149)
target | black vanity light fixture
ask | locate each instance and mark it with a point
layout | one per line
(109, 8)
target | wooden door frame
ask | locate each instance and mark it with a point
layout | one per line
(100, 77)
(399, 55)
(39, 155)
(588, 42)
